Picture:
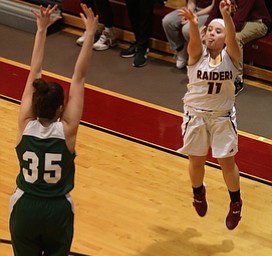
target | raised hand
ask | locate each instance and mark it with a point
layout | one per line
(90, 21)
(44, 19)
(225, 7)
(188, 15)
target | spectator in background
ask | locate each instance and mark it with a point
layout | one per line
(140, 13)
(251, 19)
(107, 38)
(177, 28)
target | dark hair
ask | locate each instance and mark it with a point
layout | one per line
(47, 97)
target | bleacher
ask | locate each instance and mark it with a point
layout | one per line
(18, 15)
(257, 54)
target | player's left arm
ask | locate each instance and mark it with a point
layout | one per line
(233, 48)
(44, 20)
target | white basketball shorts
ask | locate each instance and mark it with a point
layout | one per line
(208, 130)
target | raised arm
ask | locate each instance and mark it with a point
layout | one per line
(44, 20)
(191, 5)
(232, 48)
(73, 110)
(195, 47)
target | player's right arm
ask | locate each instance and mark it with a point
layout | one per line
(195, 47)
(73, 110)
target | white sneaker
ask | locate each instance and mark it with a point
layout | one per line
(181, 56)
(105, 41)
(81, 39)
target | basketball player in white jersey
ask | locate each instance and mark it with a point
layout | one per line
(209, 113)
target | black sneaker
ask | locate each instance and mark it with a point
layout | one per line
(239, 86)
(140, 59)
(129, 52)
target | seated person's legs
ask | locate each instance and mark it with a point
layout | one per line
(251, 31)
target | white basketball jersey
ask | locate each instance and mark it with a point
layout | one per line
(211, 87)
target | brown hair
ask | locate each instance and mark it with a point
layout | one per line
(47, 97)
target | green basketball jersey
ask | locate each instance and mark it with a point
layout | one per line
(46, 165)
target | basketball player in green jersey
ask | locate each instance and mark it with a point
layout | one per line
(41, 210)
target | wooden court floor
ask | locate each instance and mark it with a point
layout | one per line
(134, 200)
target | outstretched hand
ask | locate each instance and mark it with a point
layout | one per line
(90, 21)
(225, 7)
(188, 15)
(44, 19)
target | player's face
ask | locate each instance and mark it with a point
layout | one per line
(215, 36)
